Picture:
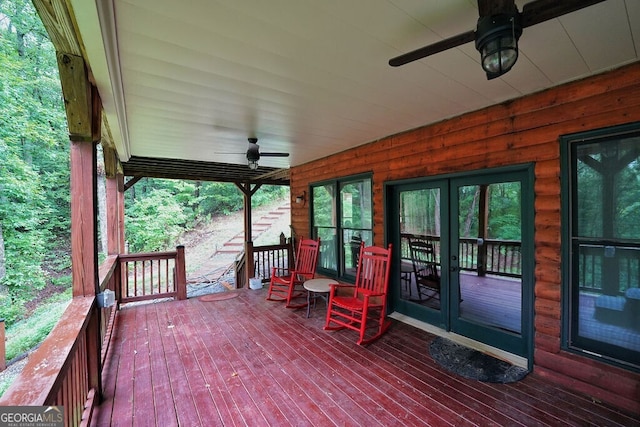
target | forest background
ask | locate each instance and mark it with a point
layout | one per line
(34, 184)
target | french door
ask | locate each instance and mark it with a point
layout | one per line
(478, 232)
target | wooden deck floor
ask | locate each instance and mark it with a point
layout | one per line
(248, 361)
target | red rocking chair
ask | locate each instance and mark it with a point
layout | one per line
(363, 306)
(286, 284)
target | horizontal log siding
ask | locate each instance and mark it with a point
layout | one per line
(525, 130)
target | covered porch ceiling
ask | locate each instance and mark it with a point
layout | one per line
(191, 81)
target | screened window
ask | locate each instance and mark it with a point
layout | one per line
(604, 249)
(342, 217)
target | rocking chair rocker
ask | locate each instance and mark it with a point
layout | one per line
(286, 284)
(363, 306)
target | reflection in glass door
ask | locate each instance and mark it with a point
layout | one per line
(420, 267)
(463, 246)
(489, 269)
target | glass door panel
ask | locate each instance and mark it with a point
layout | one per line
(475, 233)
(489, 273)
(356, 218)
(420, 228)
(418, 220)
(325, 224)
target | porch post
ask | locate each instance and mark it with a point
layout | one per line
(248, 236)
(83, 108)
(114, 244)
(181, 274)
(115, 200)
(84, 208)
(247, 191)
(84, 113)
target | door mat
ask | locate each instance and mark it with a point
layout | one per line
(473, 364)
(220, 296)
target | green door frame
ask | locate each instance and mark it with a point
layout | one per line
(520, 344)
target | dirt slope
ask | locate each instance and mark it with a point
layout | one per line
(206, 254)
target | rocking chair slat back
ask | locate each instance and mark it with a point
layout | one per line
(373, 274)
(286, 284)
(307, 258)
(425, 269)
(363, 307)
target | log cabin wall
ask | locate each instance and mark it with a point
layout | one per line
(525, 130)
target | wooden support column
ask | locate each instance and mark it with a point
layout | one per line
(115, 199)
(115, 215)
(84, 119)
(84, 209)
(248, 191)
(120, 180)
(181, 273)
(83, 108)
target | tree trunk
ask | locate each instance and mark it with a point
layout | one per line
(3, 268)
(471, 213)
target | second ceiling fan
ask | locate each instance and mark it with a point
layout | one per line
(499, 27)
(253, 154)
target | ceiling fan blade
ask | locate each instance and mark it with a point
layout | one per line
(274, 154)
(539, 11)
(434, 48)
(496, 7)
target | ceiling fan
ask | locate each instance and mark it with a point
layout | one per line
(253, 154)
(499, 27)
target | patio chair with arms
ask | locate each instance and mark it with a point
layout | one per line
(363, 306)
(286, 284)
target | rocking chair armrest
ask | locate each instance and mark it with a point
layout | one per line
(335, 287)
(369, 293)
(284, 271)
(340, 285)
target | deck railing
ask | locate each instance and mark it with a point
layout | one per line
(152, 276)
(66, 369)
(492, 256)
(621, 273)
(267, 257)
(264, 259)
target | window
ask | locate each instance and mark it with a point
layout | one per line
(602, 202)
(342, 217)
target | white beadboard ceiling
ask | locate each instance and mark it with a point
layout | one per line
(193, 79)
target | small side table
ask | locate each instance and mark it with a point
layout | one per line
(317, 288)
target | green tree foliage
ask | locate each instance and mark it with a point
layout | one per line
(154, 222)
(218, 198)
(607, 183)
(504, 211)
(34, 172)
(158, 211)
(34, 177)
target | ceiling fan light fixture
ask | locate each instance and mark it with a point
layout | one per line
(253, 164)
(497, 41)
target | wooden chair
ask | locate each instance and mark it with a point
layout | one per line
(363, 306)
(425, 269)
(285, 284)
